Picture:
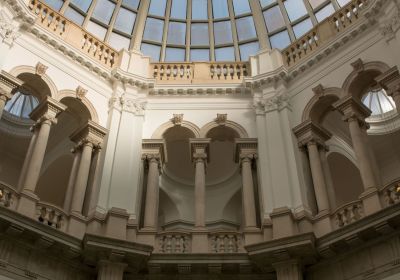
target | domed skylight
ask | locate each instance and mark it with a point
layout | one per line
(21, 105)
(197, 30)
(378, 102)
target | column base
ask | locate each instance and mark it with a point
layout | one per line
(283, 224)
(322, 223)
(370, 200)
(116, 222)
(27, 204)
(77, 225)
(199, 241)
(147, 236)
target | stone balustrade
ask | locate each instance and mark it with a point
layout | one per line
(174, 243)
(8, 196)
(225, 242)
(51, 215)
(199, 72)
(348, 213)
(74, 34)
(323, 33)
(390, 194)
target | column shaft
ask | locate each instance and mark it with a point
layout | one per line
(35, 163)
(362, 154)
(249, 208)
(317, 172)
(82, 178)
(111, 271)
(199, 192)
(27, 159)
(150, 213)
(71, 181)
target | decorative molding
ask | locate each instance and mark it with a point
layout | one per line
(389, 27)
(358, 65)
(90, 133)
(177, 119)
(221, 119)
(137, 106)
(80, 92)
(47, 110)
(41, 69)
(8, 29)
(308, 131)
(267, 103)
(8, 83)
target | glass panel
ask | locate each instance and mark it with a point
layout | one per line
(74, 16)
(385, 101)
(200, 34)
(178, 9)
(248, 49)
(174, 54)
(131, 3)
(27, 108)
(265, 3)
(119, 42)
(151, 50)
(241, 7)
(324, 12)
(301, 28)
(55, 4)
(176, 33)
(103, 11)
(82, 4)
(199, 9)
(273, 18)
(316, 3)
(96, 29)
(220, 8)
(245, 28)
(375, 105)
(199, 54)
(125, 21)
(223, 32)
(225, 54)
(280, 40)
(343, 2)
(157, 7)
(295, 9)
(153, 29)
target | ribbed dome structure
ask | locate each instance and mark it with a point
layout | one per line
(197, 30)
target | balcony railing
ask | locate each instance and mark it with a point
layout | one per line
(348, 213)
(324, 32)
(174, 243)
(51, 215)
(74, 34)
(199, 72)
(8, 196)
(225, 242)
(391, 193)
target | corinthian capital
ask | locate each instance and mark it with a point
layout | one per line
(89, 134)
(266, 103)
(137, 106)
(47, 110)
(154, 150)
(8, 84)
(199, 149)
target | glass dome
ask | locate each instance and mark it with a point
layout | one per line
(378, 102)
(21, 105)
(197, 30)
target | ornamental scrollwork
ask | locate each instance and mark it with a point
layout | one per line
(266, 104)
(137, 106)
(8, 30)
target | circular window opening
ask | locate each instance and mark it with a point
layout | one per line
(21, 104)
(378, 102)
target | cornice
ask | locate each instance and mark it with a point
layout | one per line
(237, 89)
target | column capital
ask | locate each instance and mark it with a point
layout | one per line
(309, 132)
(135, 105)
(47, 110)
(199, 149)
(352, 108)
(154, 149)
(390, 81)
(8, 84)
(89, 134)
(245, 148)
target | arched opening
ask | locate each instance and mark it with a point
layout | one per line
(346, 179)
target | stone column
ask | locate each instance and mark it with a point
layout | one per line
(108, 270)
(45, 115)
(246, 153)
(199, 153)
(289, 270)
(153, 156)
(88, 138)
(72, 178)
(390, 81)
(8, 84)
(354, 113)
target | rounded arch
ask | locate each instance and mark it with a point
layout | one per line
(338, 145)
(167, 210)
(230, 124)
(89, 106)
(25, 69)
(159, 132)
(320, 103)
(362, 77)
(232, 210)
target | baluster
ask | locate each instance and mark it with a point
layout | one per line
(168, 247)
(230, 246)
